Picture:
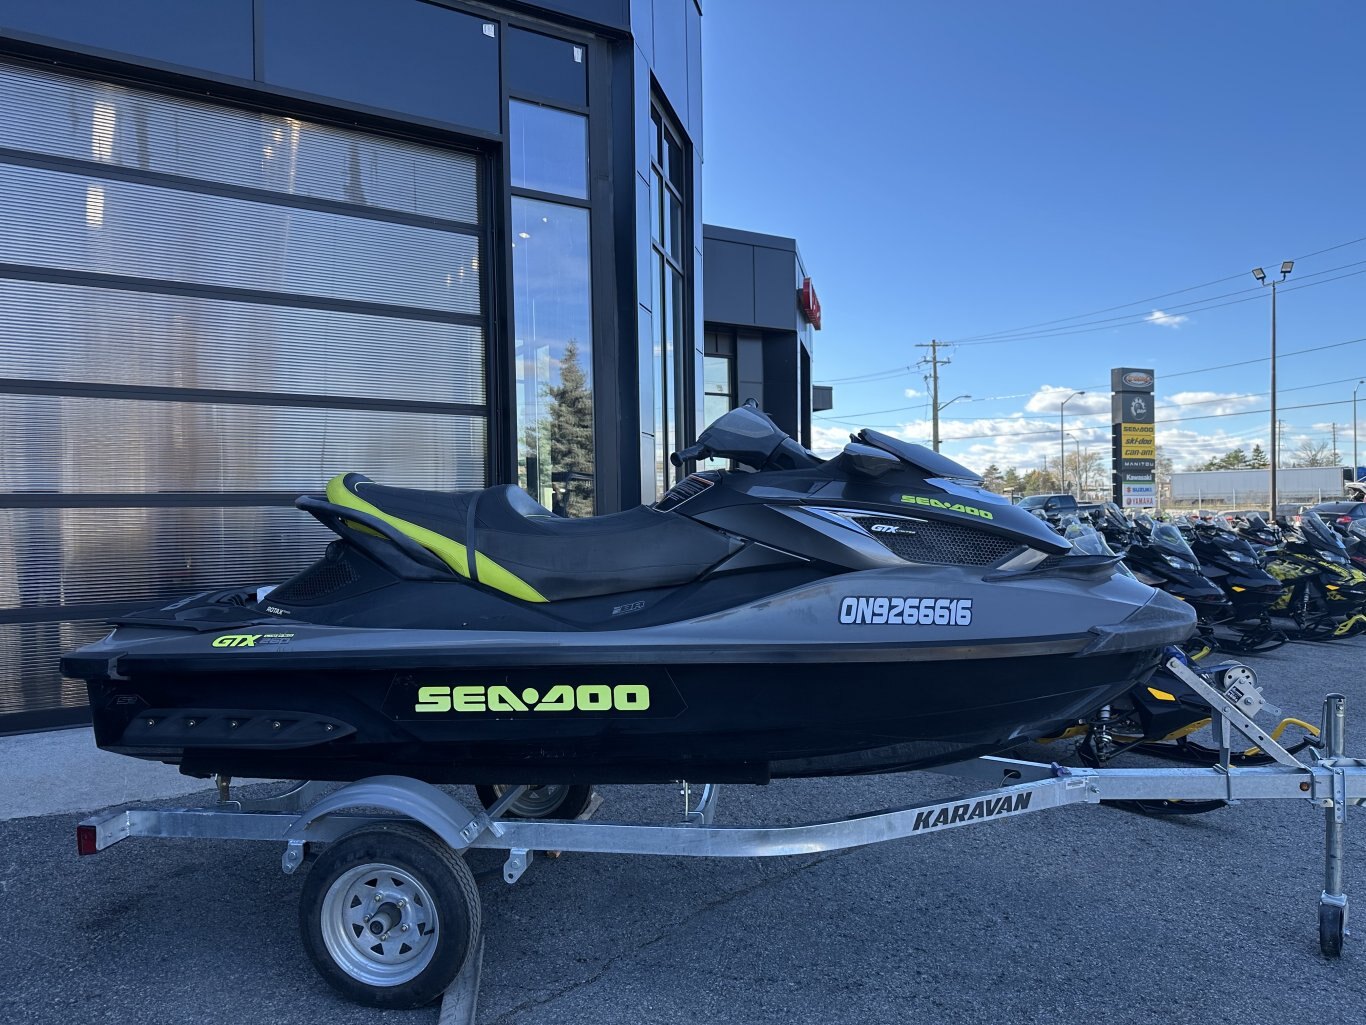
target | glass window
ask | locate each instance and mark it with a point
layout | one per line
(672, 295)
(554, 353)
(549, 149)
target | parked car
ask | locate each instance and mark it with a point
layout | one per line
(1345, 513)
(1054, 507)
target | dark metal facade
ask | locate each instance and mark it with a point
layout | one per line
(250, 244)
(753, 315)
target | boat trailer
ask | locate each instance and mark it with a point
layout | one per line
(391, 869)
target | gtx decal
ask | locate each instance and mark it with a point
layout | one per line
(250, 640)
(903, 611)
(587, 697)
(958, 507)
(967, 811)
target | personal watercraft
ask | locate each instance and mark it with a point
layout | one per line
(874, 612)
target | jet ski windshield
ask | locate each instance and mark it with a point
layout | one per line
(1172, 547)
(747, 435)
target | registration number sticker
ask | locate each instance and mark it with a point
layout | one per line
(893, 610)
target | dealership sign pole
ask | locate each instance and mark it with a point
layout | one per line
(1134, 439)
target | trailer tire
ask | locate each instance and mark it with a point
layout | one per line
(1332, 929)
(551, 801)
(388, 916)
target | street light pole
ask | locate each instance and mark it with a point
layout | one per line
(1076, 457)
(1260, 275)
(1355, 464)
(1062, 442)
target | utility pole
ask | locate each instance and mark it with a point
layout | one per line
(935, 363)
(1334, 449)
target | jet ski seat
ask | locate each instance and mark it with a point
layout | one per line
(504, 539)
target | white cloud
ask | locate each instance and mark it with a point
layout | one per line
(911, 393)
(1208, 403)
(1048, 398)
(1171, 320)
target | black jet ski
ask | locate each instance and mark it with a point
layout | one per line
(877, 611)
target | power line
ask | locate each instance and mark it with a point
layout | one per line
(872, 375)
(1140, 302)
(848, 418)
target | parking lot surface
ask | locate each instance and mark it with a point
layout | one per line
(1075, 914)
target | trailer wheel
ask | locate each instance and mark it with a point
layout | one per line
(1332, 928)
(549, 801)
(388, 915)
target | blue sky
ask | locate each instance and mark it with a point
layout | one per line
(954, 170)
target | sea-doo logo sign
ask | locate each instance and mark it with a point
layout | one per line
(587, 697)
(250, 640)
(957, 507)
(889, 610)
(945, 815)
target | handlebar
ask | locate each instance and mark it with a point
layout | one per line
(698, 451)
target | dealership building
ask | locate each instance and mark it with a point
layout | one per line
(250, 244)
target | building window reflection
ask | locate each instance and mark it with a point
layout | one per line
(718, 381)
(549, 149)
(671, 298)
(554, 352)
(552, 306)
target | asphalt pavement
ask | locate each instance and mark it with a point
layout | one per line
(1076, 914)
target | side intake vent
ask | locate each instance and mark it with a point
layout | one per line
(328, 575)
(932, 541)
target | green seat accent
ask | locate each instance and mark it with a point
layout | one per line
(452, 553)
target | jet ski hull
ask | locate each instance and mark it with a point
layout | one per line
(737, 722)
(813, 682)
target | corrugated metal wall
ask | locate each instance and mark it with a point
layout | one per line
(205, 312)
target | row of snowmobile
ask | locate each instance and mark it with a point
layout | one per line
(1254, 586)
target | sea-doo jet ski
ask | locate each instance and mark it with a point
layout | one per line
(874, 612)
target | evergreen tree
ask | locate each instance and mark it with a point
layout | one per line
(570, 428)
(1010, 483)
(1257, 460)
(992, 479)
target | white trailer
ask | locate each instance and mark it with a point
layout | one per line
(1301, 485)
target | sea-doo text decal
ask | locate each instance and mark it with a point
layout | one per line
(900, 611)
(968, 811)
(587, 697)
(958, 507)
(250, 640)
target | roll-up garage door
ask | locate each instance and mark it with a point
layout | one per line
(204, 312)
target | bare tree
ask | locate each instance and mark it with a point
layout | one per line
(1314, 453)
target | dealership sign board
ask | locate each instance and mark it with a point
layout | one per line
(1134, 437)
